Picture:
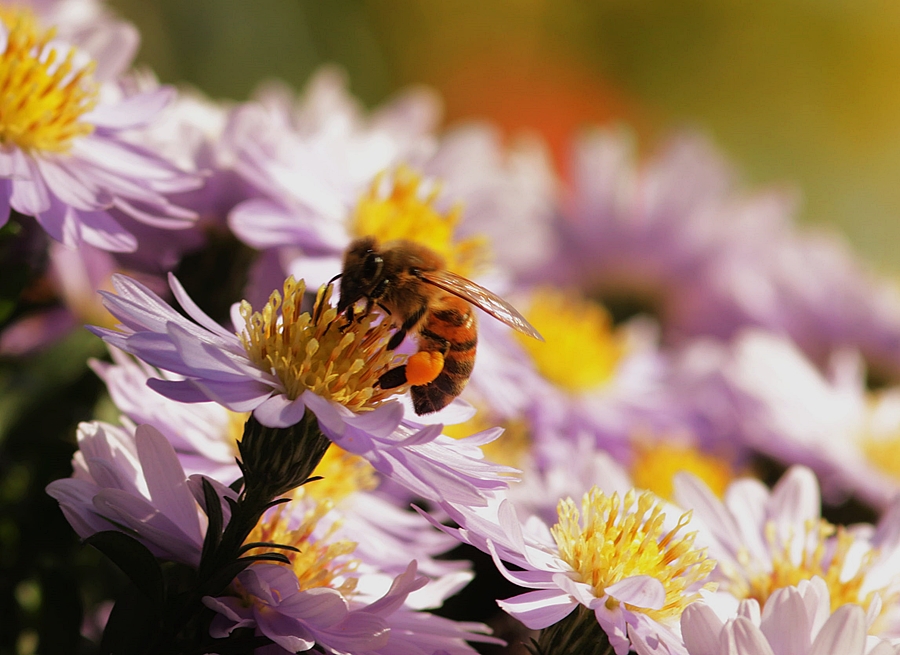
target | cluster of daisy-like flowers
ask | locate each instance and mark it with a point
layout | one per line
(259, 483)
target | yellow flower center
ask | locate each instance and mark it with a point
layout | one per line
(343, 474)
(43, 95)
(322, 561)
(820, 556)
(883, 452)
(656, 461)
(404, 214)
(319, 352)
(581, 350)
(614, 539)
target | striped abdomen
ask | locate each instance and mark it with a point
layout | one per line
(451, 329)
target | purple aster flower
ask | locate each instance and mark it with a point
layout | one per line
(319, 167)
(65, 159)
(296, 619)
(283, 362)
(330, 591)
(588, 560)
(767, 395)
(111, 42)
(677, 235)
(800, 620)
(762, 539)
(204, 436)
(134, 483)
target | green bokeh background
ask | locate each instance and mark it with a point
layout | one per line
(797, 91)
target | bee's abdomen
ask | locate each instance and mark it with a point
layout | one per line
(452, 329)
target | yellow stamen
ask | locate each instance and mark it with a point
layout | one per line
(43, 95)
(322, 561)
(343, 474)
(618, 539)
(320, 352)
(581, 350)
(821, 556)
(656, 461)
(403, 214)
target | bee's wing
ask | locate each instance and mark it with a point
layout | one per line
(481, 298)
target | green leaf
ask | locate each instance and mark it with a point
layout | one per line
(223, 577)
(281, 558)
(267, 544)
(216, 521)
(135, 560)
(133, 626)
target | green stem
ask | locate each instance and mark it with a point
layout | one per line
(577, 634)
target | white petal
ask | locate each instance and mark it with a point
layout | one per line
(844, 633)
(541, 608)
(701, 629)
(639, 590)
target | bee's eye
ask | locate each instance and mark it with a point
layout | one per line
(372, 266)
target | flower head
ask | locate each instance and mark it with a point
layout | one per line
(279, 359)
(64, 157)
(328, 173)
(765, 541)
(134, 483)
(284, 362)
(616, 557)
(799, 619)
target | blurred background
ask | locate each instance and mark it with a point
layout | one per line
(798, 92)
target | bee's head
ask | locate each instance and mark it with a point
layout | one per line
(363, 271)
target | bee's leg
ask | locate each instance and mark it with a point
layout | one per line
(349, 316)
(394, 378)
(396, 339)
(408, 325)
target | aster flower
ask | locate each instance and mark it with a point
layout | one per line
(205, 437)
(65, 161)
(329, 594)
(764, 541)
(591, 377)
(297, 619)
(677, 236)
(111, 42)
(785, 407)
(319, 164)
(648, 235)
(797, 619)
(614, 559)
(283, 362)
(134, 483)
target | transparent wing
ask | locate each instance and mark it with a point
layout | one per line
(481, 298)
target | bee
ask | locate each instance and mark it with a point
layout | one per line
(411, 284)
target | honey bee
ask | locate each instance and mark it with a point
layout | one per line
(411, 284)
